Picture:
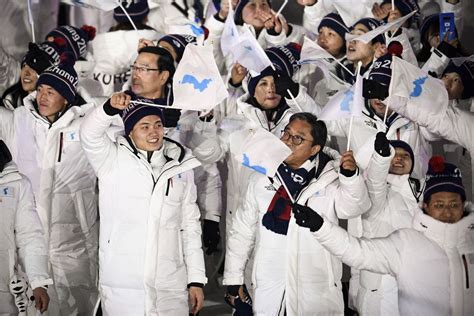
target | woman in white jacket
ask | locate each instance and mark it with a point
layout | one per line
(43, 136)
(22, 240)
(292, 275)
(430, 261)
(394, 197)
(150, 236)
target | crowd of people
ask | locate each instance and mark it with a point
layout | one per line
(112, 200)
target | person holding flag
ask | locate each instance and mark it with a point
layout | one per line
(395, 196)
(291, 274)
(429, 260)
(376, 117)
(150, 251)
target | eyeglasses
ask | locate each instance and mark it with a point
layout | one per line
(450, 206)
(142, 69)
(295, 139)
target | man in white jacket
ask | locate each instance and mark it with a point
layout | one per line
(22, 240)
(43, 136)
(150, 236)
(291, 274)
(432, 261)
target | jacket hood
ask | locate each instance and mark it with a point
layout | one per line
(71, 113)
(10, 173)
(445, 234)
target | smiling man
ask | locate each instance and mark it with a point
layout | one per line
(430, 261)
(150, 253)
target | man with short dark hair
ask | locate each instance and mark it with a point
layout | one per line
(150, 248)
(431, 262)
(293, 274)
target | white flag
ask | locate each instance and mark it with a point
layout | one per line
(412, 89)
(186, 28)
(259, 150)
(367, 37)
(230, 34)
(311, 51)
(197, 83)
(344, 103)
(249, 53)
(351, 11)
(105, 5)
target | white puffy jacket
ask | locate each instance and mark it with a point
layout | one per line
(64, 185)
(20, 230)
(432, 262)
(393, 201)
(291, 272)
(150, 234)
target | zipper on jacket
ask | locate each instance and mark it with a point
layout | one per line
(466, 269)
(61, 141)
(168, 187)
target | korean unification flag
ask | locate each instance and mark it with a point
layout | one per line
(413, 90)
(367, 37)
(311, 52)
(197, 83)
(344, 103)
(230, 34)
(187, 28)
(259, 150)
(249, 53)
(105, 5)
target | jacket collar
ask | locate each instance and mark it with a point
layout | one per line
(10, 173)
(72, 113)
(259, 117)
(444, 234)
(178, 158)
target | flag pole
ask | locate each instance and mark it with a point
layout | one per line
(345, 68)
(32, 23)
(393, 5)
(294, 100)
(159, 105)
(127, 15)
(359, 65)
(281, 8)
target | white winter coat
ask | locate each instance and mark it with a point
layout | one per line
(432, 262)
(150, 234)
(20, 231)
(393, 201)
(291, 271)
(64, 185)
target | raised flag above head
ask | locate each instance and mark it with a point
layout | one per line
(367, 37)
(345, 103)
(197, 83)
(412, 87)
(104, 5)
(351, 11)
(186, 28)
(249, 53)
(230, 34)
(247, 148)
